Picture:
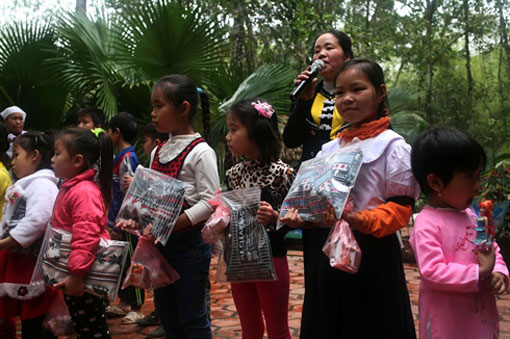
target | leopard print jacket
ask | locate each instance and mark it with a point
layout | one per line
(274, 180)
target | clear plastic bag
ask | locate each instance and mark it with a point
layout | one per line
(217, 222)
(149, 269)
(58, 319)
(321, 182)
(247, 250)
(153, 198)
(104, 278)
(341, 246)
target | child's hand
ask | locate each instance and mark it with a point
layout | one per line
(292, 219)
(147, 235)
(72, 285)
(496, 283)
(486, 260)
(266, 214)
(126, 181)
(329, 217)
(128, 224)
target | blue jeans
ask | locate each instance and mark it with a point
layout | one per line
(182, 305)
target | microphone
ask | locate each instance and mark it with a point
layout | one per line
(317, 66)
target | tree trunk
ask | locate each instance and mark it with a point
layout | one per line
(429, 15)
(81, 5)
(504, 51)
(468, 59)
(238, 37)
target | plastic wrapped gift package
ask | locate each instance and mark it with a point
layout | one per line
(341, 246)
(105, 276)
(247, 247)
(149, 269)
(153, 198)
(322, 182)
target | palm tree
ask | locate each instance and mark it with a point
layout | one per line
(24, 79)
(405, 120)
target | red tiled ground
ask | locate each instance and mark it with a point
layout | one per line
(225, 323)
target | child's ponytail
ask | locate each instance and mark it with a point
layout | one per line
(105, 164)
(206, 114)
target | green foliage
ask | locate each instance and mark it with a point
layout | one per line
(166, 38)
(90, 57)
(271, 82)
(24, 81)
(112, 58)
(405, 120)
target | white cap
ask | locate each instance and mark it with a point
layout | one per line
(13, 109)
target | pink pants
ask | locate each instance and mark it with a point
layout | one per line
(271, 298)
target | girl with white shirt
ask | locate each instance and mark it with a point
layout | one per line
(26, 214)
(374, 302)
(185, 156)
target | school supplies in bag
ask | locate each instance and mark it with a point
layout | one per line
(104, 278)
(341, 246)
(149, 269)
(247, 250)
(321, 182)
(153, 198)
(217, 222)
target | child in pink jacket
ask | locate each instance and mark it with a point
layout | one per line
(459, 280)
(80, 209)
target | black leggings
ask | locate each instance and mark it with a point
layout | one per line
(88, 315)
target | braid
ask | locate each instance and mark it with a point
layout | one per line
(206, 116)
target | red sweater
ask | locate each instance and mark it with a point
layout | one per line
(79, 209)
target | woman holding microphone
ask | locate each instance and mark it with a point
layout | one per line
(313, 121)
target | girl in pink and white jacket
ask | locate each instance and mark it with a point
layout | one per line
(26, 214)
(459, 280)
(80, 209)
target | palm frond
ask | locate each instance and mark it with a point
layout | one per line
(24, 47)
(409, 124)
(91, 57)
(271, 82)
(168, 38)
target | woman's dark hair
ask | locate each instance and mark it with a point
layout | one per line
(261, 130)
(178, 88)
(374, 73)
(343, 40)
(97, 115)
(95, 150)
(150, 131)
(443, 151)
(40, 141)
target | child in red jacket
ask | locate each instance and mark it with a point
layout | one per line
(80, 209)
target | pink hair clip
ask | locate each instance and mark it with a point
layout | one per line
(264, 109)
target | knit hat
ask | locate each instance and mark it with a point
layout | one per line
(13, 109)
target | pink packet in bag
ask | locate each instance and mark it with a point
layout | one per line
(149, 268)
(341, 246)
(217, 222)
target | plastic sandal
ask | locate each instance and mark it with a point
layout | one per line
(116, 310)
(132, 317)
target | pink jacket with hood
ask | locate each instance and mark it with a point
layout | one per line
(79, 209)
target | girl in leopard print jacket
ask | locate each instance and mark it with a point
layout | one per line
(253, 133)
